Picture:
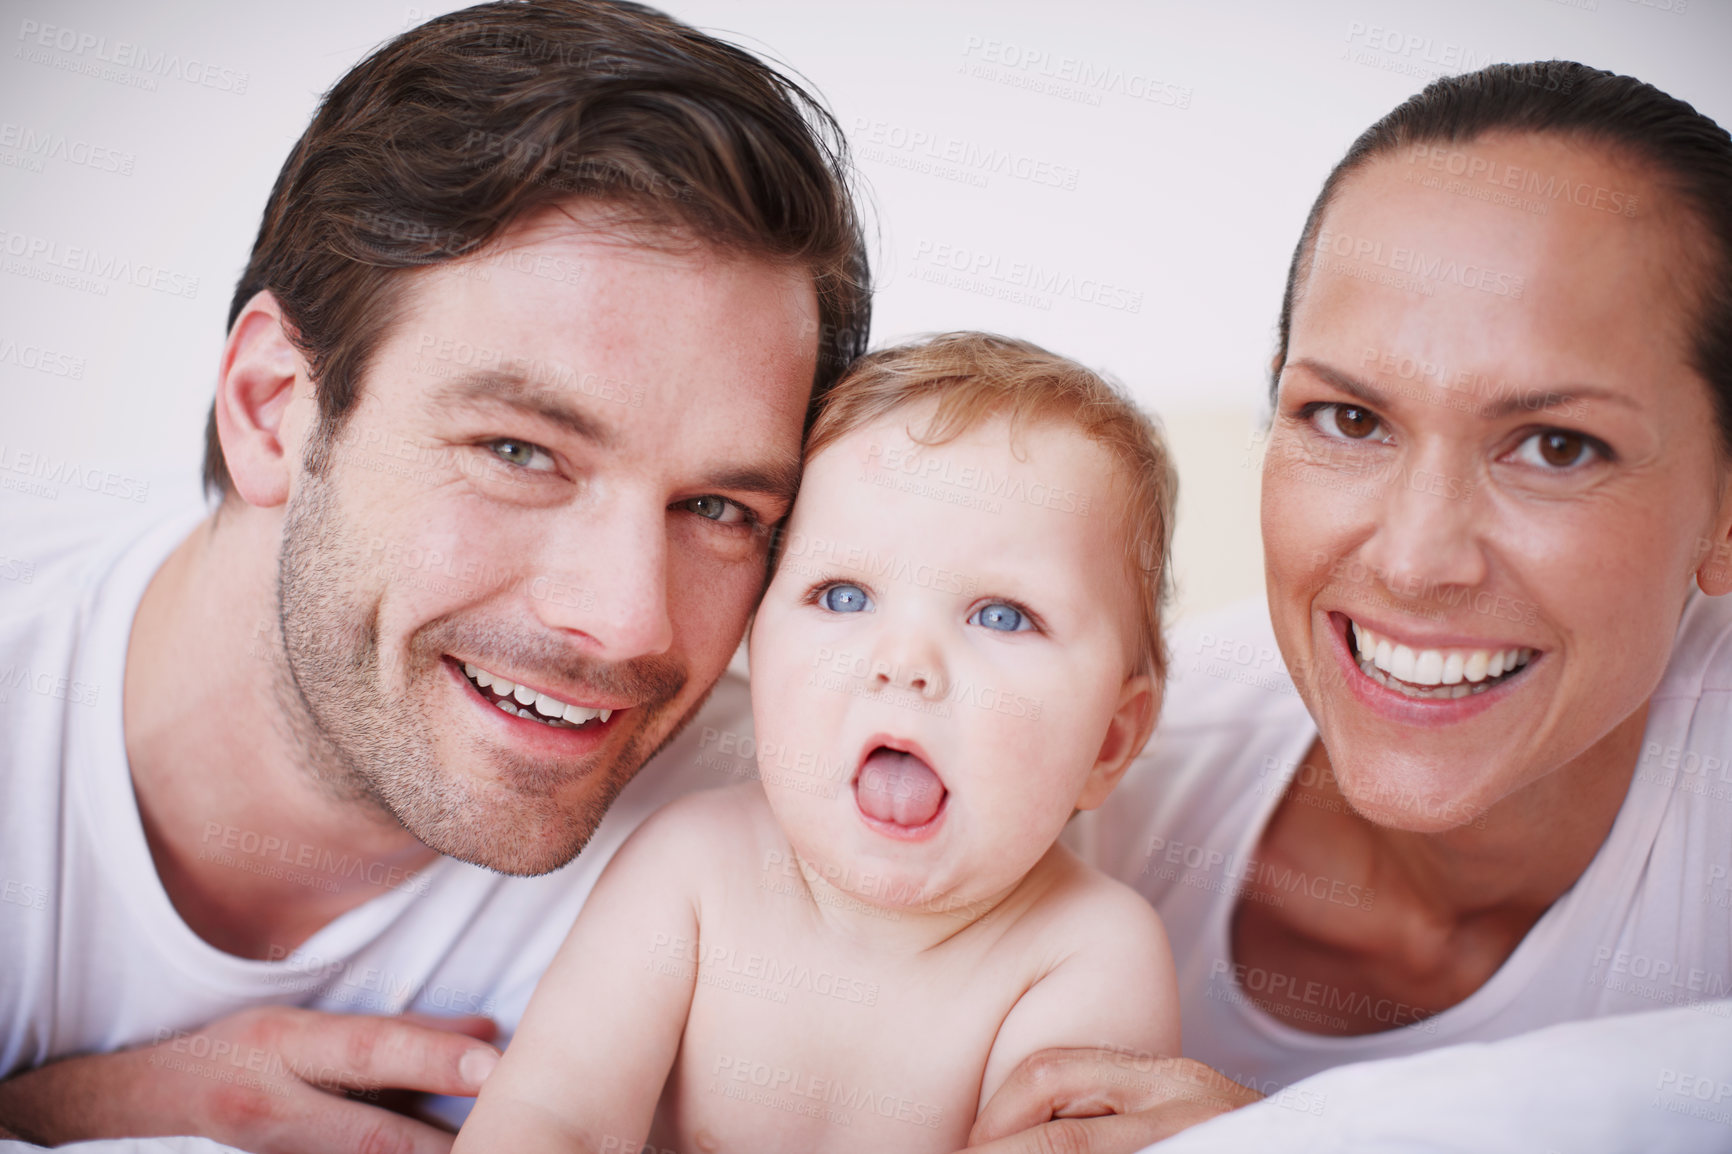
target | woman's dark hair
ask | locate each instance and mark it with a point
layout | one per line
(1689, 154)
(438, 141)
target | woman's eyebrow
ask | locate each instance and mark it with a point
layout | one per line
(1346, 382)
(1501, 397)
(1537, 400)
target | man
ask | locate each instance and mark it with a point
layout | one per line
(512, 397)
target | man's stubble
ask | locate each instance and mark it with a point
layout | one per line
(368, 739)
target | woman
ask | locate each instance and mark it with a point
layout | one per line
(1497, 516)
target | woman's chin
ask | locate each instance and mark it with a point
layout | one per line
(1423, 799)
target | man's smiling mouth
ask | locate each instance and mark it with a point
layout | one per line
(1434, 674)
(522, 701)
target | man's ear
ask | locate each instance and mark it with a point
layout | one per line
(260, 376)
(1127, 733)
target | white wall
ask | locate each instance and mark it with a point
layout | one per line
(1174, 165)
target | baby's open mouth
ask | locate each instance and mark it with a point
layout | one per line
(522, 701)
(897, 787)
(1433, 674)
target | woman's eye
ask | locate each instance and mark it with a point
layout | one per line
(1557, 449)
(846, 599)
(718, 509)
(998, 615)
(522, 454)
(1349, 421)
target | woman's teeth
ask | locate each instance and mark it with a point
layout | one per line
(522, 701)
(1433, 673)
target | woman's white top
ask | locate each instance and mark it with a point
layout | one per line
(1648, 926)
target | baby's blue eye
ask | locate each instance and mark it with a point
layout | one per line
(846, 599)
(998, 616)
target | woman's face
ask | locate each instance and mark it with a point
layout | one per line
(1489, 451)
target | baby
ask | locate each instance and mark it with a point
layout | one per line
(960, 647)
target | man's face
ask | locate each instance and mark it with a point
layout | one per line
(558, 480)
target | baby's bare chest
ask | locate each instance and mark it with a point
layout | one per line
(794, 1045)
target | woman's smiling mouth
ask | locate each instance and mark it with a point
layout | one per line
(1433, 674)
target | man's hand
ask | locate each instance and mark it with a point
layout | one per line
(268, 1080)
(1100, 1102)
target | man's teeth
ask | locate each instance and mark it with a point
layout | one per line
(529, 703)
(1433, 672)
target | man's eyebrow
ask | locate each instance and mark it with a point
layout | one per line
(778, 480)
(1500, 401)
(527, 395)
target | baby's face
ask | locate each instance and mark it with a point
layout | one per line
(940, 656)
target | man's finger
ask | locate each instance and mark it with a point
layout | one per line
(350, 1126)
(473, 1025)
(1112, 1134)
(1056, 1084)
(362, 1052)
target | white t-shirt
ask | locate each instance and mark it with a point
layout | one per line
(1648, 925)
(93, 955)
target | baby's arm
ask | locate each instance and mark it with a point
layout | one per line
(1114, 989)
(600, 1034)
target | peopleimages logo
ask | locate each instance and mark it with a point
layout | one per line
(1068, 77)
(967, 161)
(94, 265)
(89, 49)
(1021, 281)
(1422, 267)
(38, 473)
(1426, 54)
(41, 359)
(39, 145)
(1531, 187)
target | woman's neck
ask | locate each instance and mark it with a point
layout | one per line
(1425, 919)
(1528, 848)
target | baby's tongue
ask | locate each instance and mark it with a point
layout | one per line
(898, 787)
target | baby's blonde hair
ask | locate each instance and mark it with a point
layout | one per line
(976, 376)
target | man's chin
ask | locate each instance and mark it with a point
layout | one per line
(505, 831)
(522, 822)
(525, 843)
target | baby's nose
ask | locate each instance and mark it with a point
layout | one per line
(923, 678)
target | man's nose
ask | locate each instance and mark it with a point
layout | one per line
(605, 576)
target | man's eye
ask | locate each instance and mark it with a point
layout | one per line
(997, 615)
(1559, 450)
(1346, 421)
(846, 599)
(522, 454)
(718, 509)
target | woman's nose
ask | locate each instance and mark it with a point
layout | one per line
(1428, 532)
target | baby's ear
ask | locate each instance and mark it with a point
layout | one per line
(1127, 733)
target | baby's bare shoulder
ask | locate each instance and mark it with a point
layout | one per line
(709, 827)
(1100, 970)
(1078, 905)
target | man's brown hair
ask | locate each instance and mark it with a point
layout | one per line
(438, 141)
(974, 377)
